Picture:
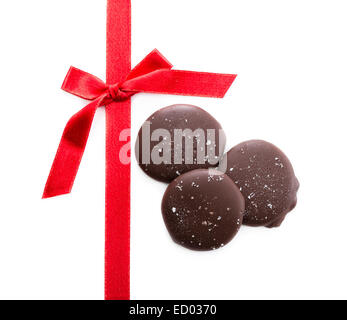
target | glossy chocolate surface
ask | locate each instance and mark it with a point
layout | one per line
(174, 119)
(203, 209)
(266, 178)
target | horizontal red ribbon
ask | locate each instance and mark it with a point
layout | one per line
(153, 75)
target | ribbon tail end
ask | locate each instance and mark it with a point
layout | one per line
(50, 194)
(232, 78)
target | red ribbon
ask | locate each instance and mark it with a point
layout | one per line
(153, 75)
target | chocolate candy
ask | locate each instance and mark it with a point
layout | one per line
(266, 179)
(203, 209)
(178, 139)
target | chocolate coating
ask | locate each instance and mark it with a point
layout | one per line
(203, 209)
(180, 117)
(266, 179)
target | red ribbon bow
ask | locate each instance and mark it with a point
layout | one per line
(153, 75)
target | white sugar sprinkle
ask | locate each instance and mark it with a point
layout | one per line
(251, 195)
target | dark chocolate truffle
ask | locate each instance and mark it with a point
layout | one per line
(266, 179)
(203, 209)
(178, 139)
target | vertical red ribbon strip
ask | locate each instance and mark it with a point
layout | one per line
(117, 243)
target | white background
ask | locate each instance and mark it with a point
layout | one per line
(291, 90)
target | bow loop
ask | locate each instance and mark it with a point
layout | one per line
(83, 84)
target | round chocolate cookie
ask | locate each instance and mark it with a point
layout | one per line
(203, 209)
(266, 179)
(178, 139)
